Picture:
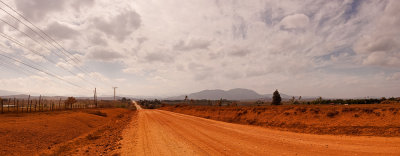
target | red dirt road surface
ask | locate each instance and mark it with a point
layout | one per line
(166, 133)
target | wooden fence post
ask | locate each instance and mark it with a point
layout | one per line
(30, 106)
(1, 106)
(27, 106)
(22, 105)
(40, 98)
(8, 106)
(17, 106)
(14, 105)
(59, 104)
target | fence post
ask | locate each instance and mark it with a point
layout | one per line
(35, 104)
(40, 98)
(14, 104)
(17, 106)
(59, 104)
(8, 106)
(27, 106)
(22, 105)
(1, 106)
(30, 106)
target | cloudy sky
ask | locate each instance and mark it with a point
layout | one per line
(338, 48)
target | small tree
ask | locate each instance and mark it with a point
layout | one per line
(70, 101)
(220, 102)
(124, 99)
(276, 98)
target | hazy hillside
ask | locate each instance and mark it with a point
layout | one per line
(233, 94)
(5, 93)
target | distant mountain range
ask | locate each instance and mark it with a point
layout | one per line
(6, 92)
(233, 94)
(216, 94)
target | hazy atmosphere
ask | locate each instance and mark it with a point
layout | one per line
(169, 47)
(199, 77)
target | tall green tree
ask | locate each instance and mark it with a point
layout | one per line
(276, 98)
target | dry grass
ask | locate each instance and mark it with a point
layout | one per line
(369, 120)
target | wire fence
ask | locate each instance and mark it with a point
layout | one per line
(19, 105)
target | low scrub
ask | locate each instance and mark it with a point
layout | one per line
(371, 119)
(92, 137)
(99, 113)
(332, 114)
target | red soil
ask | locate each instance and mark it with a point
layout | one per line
(34, 133)
(367, 120)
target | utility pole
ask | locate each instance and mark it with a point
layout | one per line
(114, 91)
(95, 97)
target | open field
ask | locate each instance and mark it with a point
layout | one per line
(73, 132)
(365, 120)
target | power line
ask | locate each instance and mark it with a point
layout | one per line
(35, 68)
(60, 47)
(31, 38)
(23, 17)
(37, 53)
(31, 29)
(23, 71)
(20, 69)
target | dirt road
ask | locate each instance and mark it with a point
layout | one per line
(166, 133)
(136, 105)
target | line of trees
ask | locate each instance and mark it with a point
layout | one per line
(351, 101)
(277, 100)
(150, 104)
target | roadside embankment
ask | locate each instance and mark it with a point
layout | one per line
(365, 120)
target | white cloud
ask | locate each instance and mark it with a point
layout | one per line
(394, 76)
(103, 54)
(36, 10)
(296, 21)
(321, 48)
(380, 45)
(60, 32)
(192, 45)
(120, 26)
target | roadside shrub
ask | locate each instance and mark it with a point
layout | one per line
(315, 110)
(368, 110)
(99, 113)
(332, 114)
(150, 104)
(286, 113)
(92, 137)
(301, 110)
